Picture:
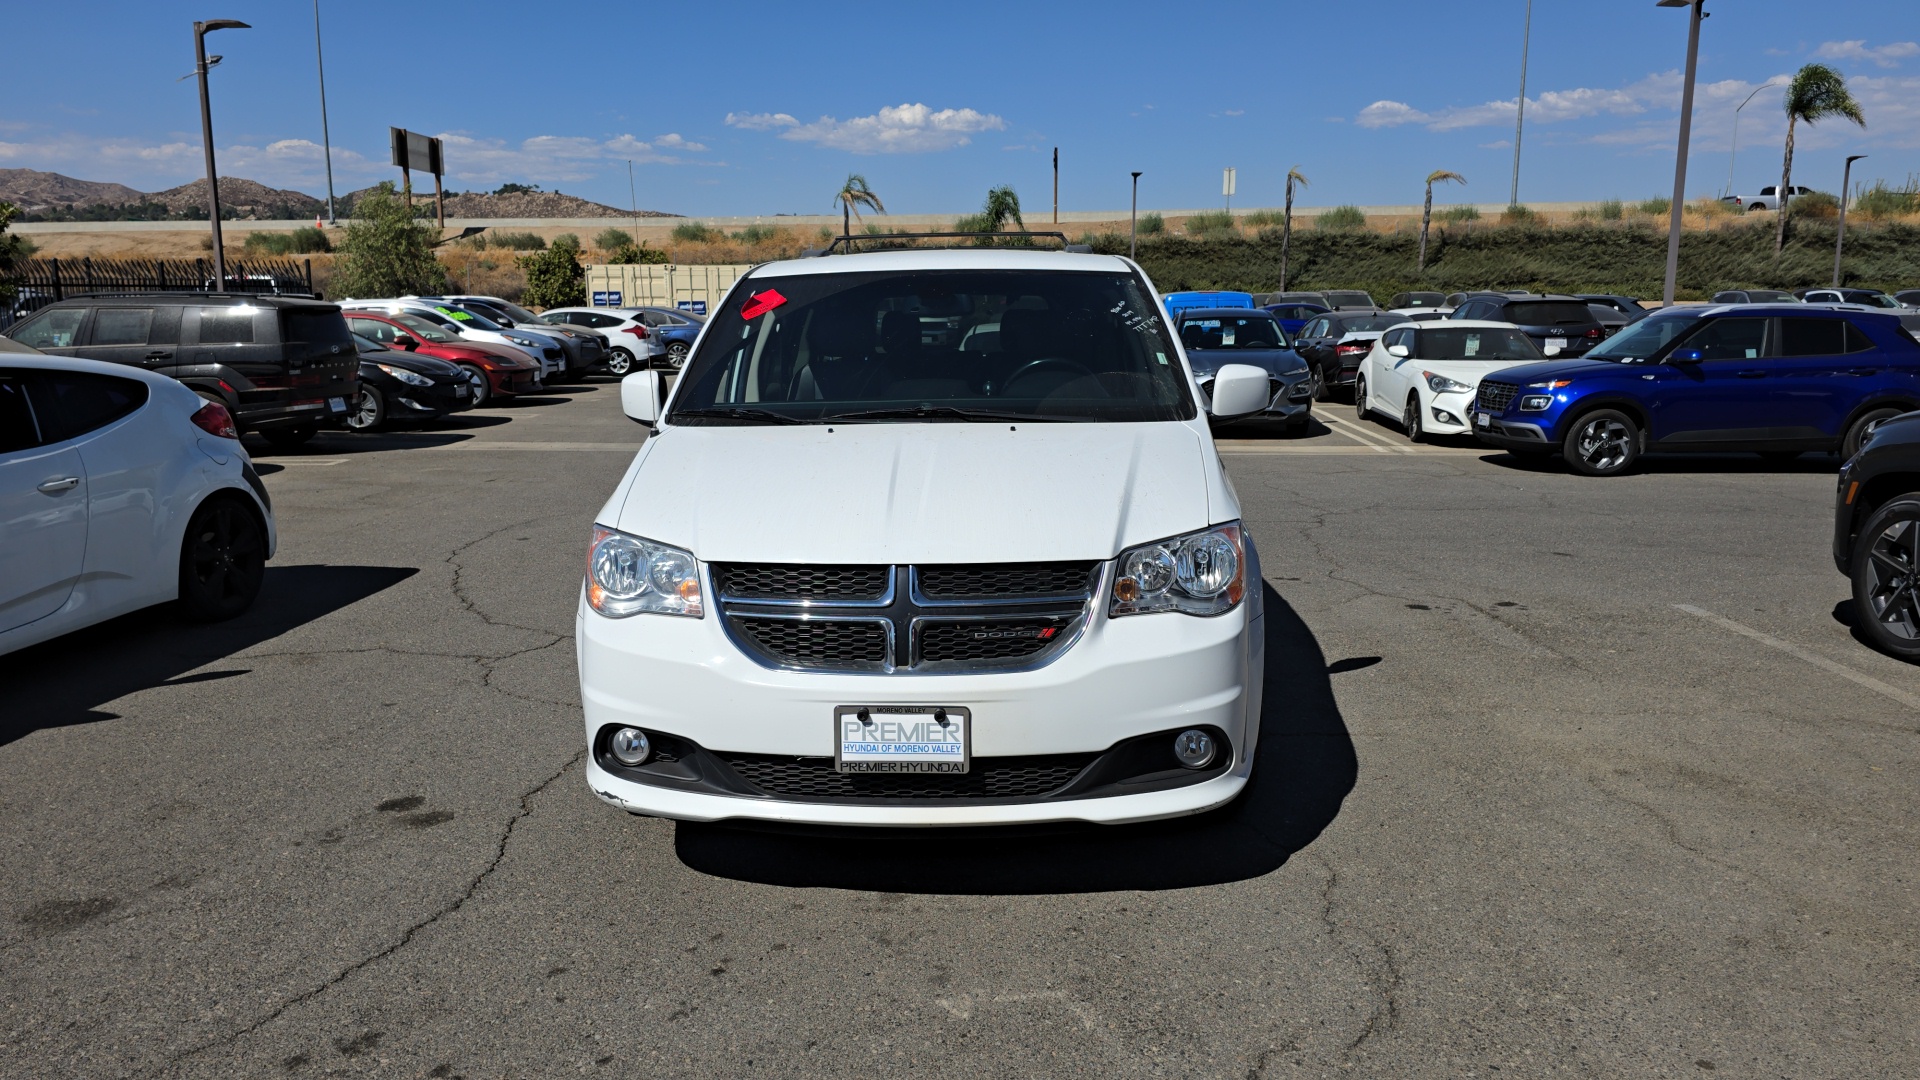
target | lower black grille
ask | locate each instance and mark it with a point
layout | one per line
(779, 581)
(1495, 396)
(982, 639)
(816, 643)
(994, 581)
(990, 778)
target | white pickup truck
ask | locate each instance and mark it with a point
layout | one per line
(1768, 199)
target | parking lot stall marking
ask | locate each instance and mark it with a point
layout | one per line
(1368, 438)
(1911, 701)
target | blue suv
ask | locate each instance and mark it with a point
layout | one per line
(1776, 379)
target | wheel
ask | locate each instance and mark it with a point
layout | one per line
(676, 354)
(619, 363)
(1886, 562)
(1604, 442)
(1753, 206)
(1360, 397)
(222, 560)
(1321, 391)
(1863, 427)
(369, 410)
(479, 385)
(1411, 421)
(1779, 457)
(289, 438)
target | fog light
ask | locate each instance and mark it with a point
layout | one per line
(629, 746)
(1535, 403)
(1194, 748)
(1445, 417)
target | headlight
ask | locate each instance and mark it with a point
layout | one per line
(1535, 403)
(1440, 384)
(405, 376)
(1551, 384)
(1201, 573)
(627, 575)
(528, 343)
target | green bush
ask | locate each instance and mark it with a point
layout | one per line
(10, 249)
(306, 240)
(521, 241)
(1519, 215)
(1151, 224)
(387, 251)
(555, 277)
(756, 234)
(1611, 210)
(1818, 204)
(1210, 222)
(1342, 217)
(1260, 219)
(630, 253)
(692, 232)
(1880, 202)
(1655, 206)
(610, 239)
(1453, 215)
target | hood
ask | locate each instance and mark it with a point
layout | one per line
(1562, 369)
(406, 361)
(474, 350)
(1275, 361)
(918, 493)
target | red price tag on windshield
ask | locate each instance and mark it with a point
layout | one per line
(761, 303)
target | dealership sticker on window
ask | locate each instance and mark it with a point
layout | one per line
(761, 303)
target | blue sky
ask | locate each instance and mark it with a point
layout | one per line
(761, 108)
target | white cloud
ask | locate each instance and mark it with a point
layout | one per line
(1236, 112)
(1886, 56)
(761, 121)
(673, 141)
(556, 158)
(1551, 107)
(896, 129)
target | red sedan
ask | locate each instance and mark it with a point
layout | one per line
(494, 370)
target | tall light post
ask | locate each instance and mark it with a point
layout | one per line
(1735, 154)
(1695, 13)
(200, 32)
(1520, 117)
(1840, 235)
(326, 141)
(1133, 222)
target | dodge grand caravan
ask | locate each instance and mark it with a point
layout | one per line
(926, 538)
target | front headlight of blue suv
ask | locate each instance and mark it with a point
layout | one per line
(1202, 573)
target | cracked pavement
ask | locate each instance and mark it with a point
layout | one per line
(1514, 813)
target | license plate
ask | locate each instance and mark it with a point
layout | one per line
(460, 391)
(902, 739)
(1481, 419)
(336, 404)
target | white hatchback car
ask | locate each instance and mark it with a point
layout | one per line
(1426, 374)
(874, 570)
(120, 489)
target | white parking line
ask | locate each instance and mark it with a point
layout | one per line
(577, 447)
(300, 461)
(1354, 430)
(1911, 701)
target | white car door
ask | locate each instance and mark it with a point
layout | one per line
(43, 512)
(1391, 392)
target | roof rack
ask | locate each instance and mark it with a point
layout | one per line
(836, 249)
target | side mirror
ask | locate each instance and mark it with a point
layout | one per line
(1684, 356)
(405, 342)
(1238, 390)
(1400, 351)
(640, 397)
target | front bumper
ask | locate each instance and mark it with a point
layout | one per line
(1124, 678)
(1512, 434)
(1440, 407)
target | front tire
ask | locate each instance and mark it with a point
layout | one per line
(369, 410)
(1886, 561)
(479, 386)
(1863, 427)
(1321, 391)
(223, 559)
(1605, 442)
(1411, 421)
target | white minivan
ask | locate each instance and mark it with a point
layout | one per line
(926, 538)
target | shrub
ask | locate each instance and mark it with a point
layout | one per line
(516, 189)
(567, 240)
(1151, 224)
(1209, 222)
(306, 240)
(610, 239)
(1260, 219)
(1880, 202)
(1655, 206)
(759, 234)
(1611, 210)
(693, 232)
(1517, 214)
(555, 277)
(520, 241)
(387, 251)
(1454, 214)
(1342, 217)
(1815, 206)
(628, 252)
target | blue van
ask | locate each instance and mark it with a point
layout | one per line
(1177, 302)
(1777, 379)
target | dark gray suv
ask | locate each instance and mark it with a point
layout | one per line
(1562, 326)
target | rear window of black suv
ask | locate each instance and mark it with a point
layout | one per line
(1548, 313)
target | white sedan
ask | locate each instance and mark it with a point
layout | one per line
(119, 489)
(1426, 374)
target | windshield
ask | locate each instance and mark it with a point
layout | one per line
(425, 329)
(1350, 299)
(1640, 341)
(1253, 332)
(1769, 296)
(468, 318)
(1549, 313)
(513, 311)
(936, 345)
(1462, 343)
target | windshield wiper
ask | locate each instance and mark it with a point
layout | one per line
(945, 412)
(756, 416)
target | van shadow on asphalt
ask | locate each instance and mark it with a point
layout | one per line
(1303, 769)
(63, 682)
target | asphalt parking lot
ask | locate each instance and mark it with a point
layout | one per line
(1558, 776)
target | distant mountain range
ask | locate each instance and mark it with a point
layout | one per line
(49, 196)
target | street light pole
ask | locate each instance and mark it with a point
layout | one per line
(326, 141)
(1734, 155)
(1133, 222)
(1520, 117)
(1695, 13)
(1840, 235)
(200, 32)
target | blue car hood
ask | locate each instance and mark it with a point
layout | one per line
(1276, 361)
(1558, 369)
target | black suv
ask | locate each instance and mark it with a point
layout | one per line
(1548, 320)
(284, 367)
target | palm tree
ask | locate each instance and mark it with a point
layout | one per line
(1286, 224)
(1426, 212)
(1002, 206)
(1816, 92)
(852, 196)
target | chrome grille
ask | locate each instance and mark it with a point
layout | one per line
(987, 639)
(1495, 396)
(989, 778)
